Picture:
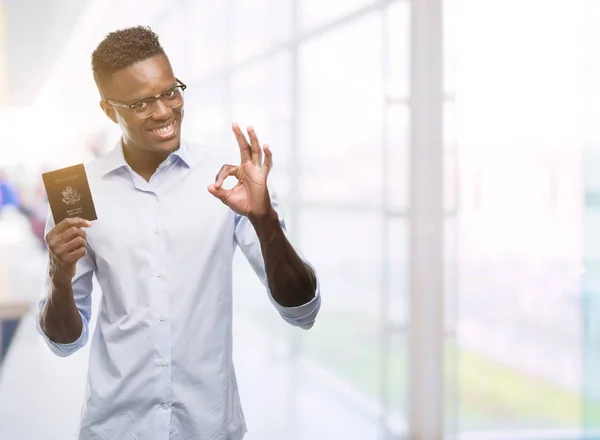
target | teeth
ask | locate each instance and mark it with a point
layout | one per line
(164, 130)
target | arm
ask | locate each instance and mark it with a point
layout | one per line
(65, 312)
(277, 276)
(291, 281)
(59, 316)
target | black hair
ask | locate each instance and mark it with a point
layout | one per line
(121, 49)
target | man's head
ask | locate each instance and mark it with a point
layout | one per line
(130, 65)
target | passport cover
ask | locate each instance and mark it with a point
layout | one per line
(69, 193)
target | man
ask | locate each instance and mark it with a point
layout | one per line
(162, 247)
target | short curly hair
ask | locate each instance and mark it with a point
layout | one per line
(121, 49)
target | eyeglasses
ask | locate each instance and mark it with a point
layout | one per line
(145, 107)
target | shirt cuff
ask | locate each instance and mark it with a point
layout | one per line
(304, 315)
(63, 350)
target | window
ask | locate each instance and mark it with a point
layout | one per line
(313, 13)
(340, 122)
(258, 25)
(518, 355)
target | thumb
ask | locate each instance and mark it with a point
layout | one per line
(220, 193)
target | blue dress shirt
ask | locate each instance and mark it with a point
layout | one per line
(160, 363)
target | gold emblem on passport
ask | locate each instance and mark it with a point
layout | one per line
(69, 193)
(70, 196)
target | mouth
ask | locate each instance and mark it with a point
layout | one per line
(165, 131)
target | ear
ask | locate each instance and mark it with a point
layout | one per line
(109, 111)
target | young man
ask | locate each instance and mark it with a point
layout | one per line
(162, 248)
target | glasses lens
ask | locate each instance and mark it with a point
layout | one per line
(144, 108)
(172, 97)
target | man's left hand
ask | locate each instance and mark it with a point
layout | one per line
(250, 196)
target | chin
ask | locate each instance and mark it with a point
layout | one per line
(167, 144)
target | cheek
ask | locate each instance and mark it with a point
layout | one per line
(131, 129)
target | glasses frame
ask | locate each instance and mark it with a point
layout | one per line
(131, 106)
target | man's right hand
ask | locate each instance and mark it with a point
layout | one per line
(66, 245)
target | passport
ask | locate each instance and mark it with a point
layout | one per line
(69, 193)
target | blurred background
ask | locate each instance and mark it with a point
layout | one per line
(439, 164)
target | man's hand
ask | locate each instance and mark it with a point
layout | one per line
(66, 245)
(250, 196)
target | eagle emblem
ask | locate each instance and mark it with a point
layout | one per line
(70, 195)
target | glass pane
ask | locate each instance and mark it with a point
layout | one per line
(519, 325)
(261, 97)
(398, 49)
(346, 250)
(395, 314)
(452, 11)
(257, 25)
(451, 301)
(590, 283)
(451, 273)
(451, 388)
(590, 303)
(398, 156)
(341, 114)
(395, 386)
(396, 246)
(451, 159)
(315, 13)
(520, 227)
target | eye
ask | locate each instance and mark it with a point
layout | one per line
(141, 105)
(170, 94)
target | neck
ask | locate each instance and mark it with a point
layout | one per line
(143, 162)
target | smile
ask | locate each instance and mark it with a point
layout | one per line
(164, 132)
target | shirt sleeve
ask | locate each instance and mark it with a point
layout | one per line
(302, 316)
(82, 292)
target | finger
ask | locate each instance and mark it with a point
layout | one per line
(70, 234)
(220, 193)
(224, 172)
(73, 245)
(70, 222)
(75, 255)
(55, 241)
(64, 252)
(245, 152)
(268, 163)
(255, 147)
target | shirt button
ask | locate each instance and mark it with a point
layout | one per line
(159, 274)
(165, 406)
(162, 318)
(156, 231)
(162, 363)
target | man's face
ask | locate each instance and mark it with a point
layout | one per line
(159, 133)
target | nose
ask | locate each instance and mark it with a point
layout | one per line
(161, 111)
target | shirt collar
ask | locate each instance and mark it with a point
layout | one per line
(115, 158)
